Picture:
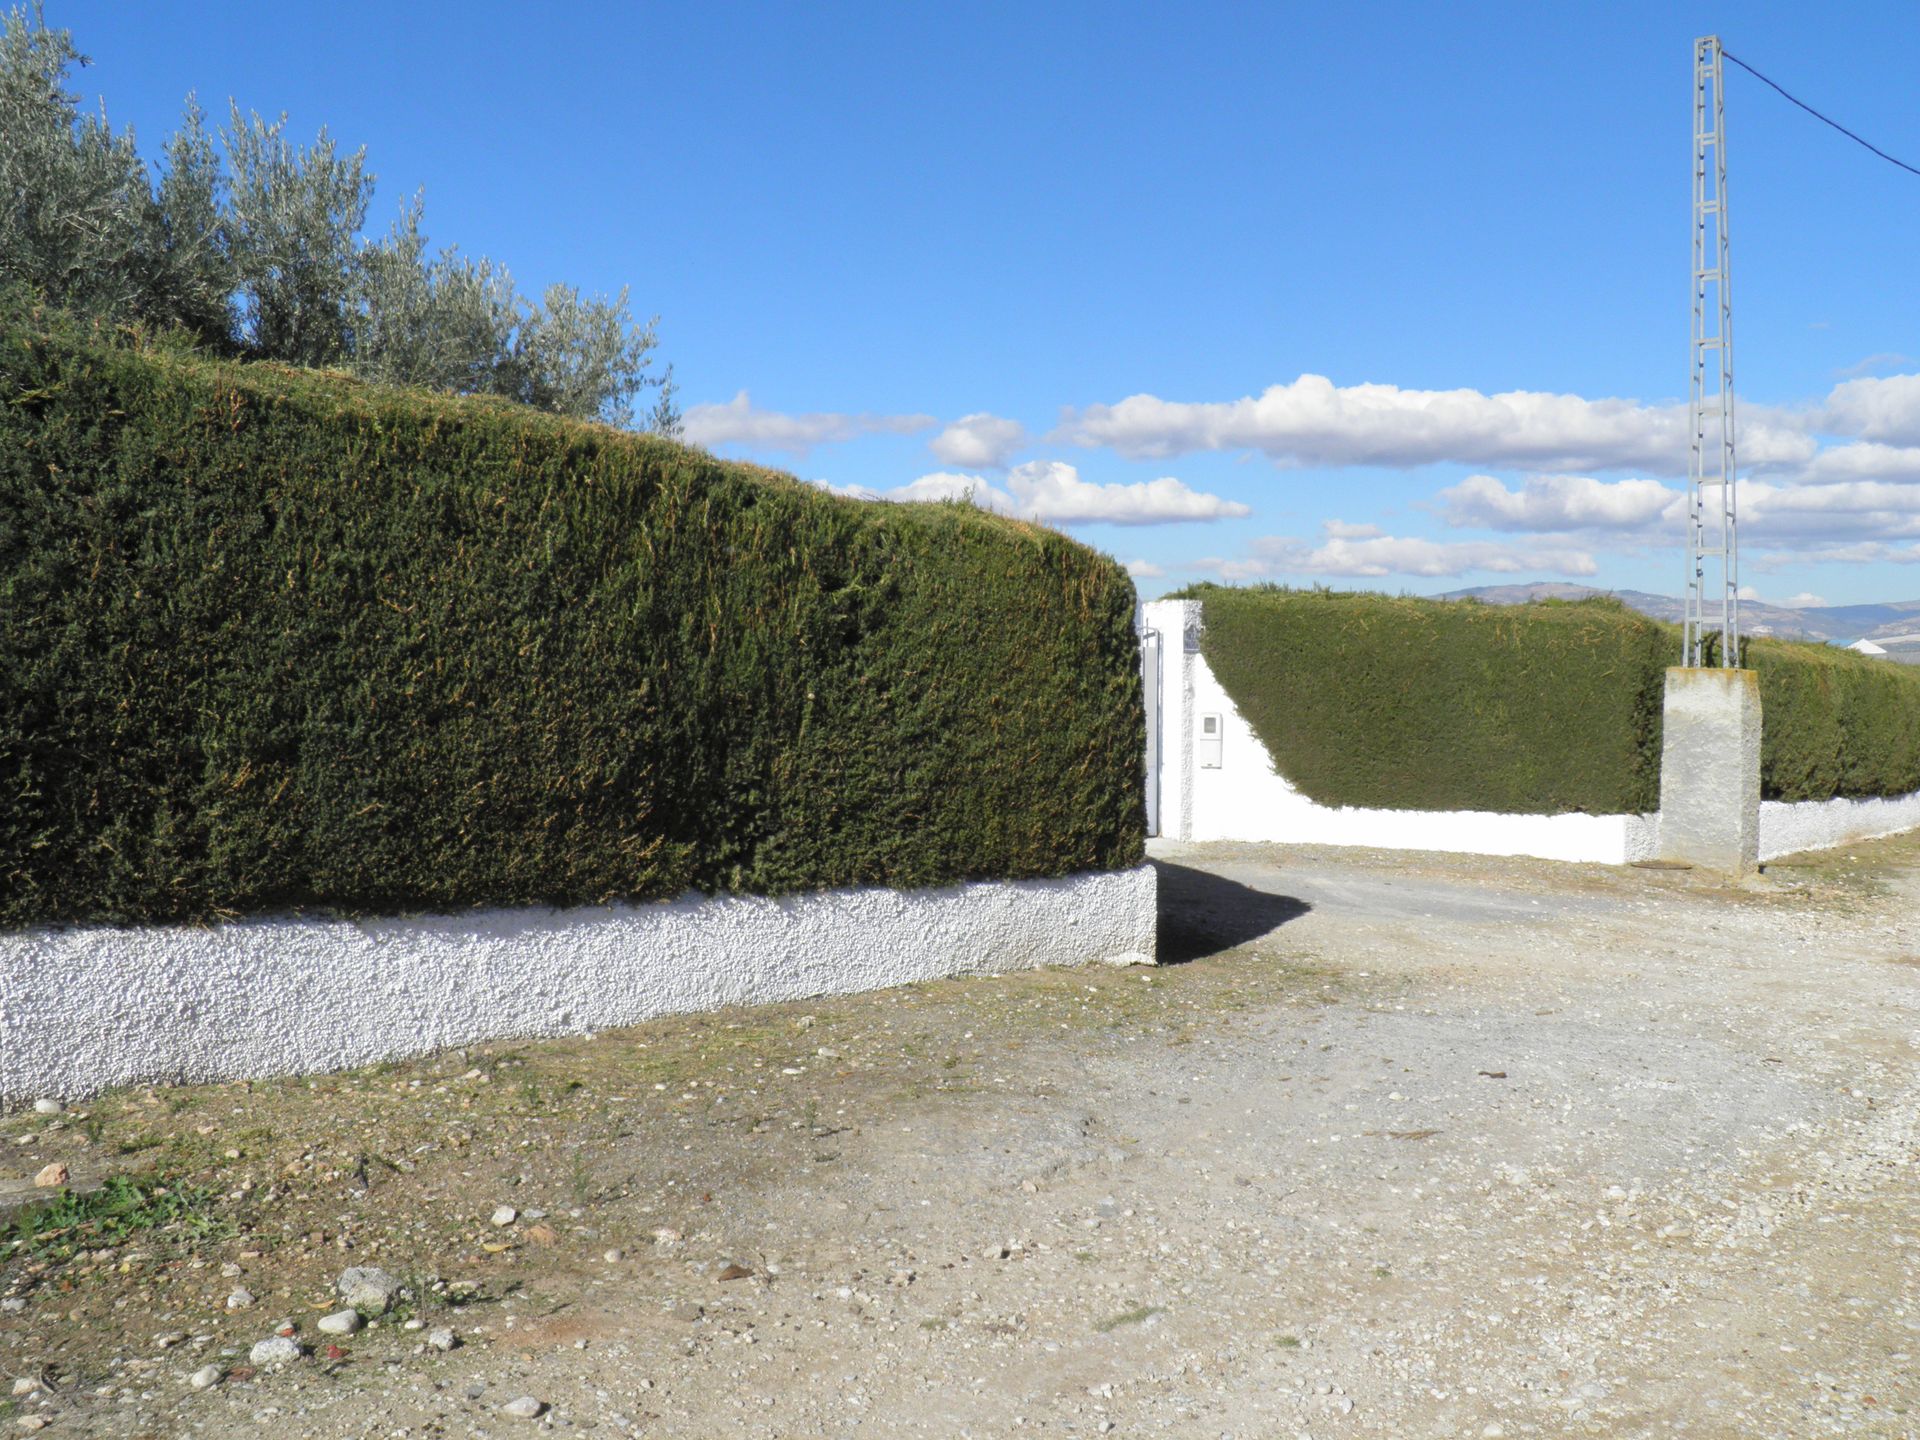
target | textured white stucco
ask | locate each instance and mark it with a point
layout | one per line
(1710, 768)
(84, 1008)
(1247, 798)
(1787, 827)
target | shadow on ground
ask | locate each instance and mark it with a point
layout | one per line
(1203, 914)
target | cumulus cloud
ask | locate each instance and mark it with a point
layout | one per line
(1312, 421)
(1053, 491)
(1781, 515)
(1144, 570)
(1886, 409)
(979, 441)
(740, 422)
(1559, 502)
(1863, 460)
(1280, 557)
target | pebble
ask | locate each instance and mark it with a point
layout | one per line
(368, 1289)
(31, 1423)
(47, 1106)
(340, 1322)
(525, 1408)
(442, 1338)
(240, 1298)
(614, 1256)
(504, 1216)
(52, 1175)
(25, 1386)
(205, 1377)
(275, 1350)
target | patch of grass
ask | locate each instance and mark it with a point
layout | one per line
(936, 1323)
(125, 1206)
(1137, 1315)
(1287, 1342)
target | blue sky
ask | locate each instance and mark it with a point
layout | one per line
(1118, 237)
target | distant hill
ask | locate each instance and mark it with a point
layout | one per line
(1819, 622)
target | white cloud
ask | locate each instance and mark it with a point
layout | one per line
(1885, 360)
(1144, 570)
(1805, 600)
(1866, 552)
(1312, 421)
(979, 441)
(1053, 491)
(1863, 460)
(739, 422)
(1341, 530)
(1280, 557)
(1885, 409)
(1559, 502)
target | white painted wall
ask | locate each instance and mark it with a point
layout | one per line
(1246, 798)
(1789, 827)
(83, 1008)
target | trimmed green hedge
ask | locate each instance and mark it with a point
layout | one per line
(1531, 709)
(274, 639)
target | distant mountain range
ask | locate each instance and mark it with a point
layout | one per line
(1842, 623)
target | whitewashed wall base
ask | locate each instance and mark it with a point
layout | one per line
(1787, 827)
(85, 1008)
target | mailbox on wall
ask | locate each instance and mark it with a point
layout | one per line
(1209, 742)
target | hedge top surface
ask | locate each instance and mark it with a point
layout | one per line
(276, 639)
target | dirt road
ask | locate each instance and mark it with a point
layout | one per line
(1425, 1146)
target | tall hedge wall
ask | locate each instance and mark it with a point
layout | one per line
(1530, 709)
(275, 639)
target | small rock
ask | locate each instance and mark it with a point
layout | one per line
(689, 1313)
(25, 1386)
(12, 1305)
(31, 1423)
(230, 1270)
(442, 1338)
(614, 1256)
(1493, 1430)
(525, 1408)
(736, 1272)
(52, 1175)
(368, 1289)
(275, 1350)
(665, 1235)
(502, 1217)
(340, 1322)
(240, 1299)
(205, 1377)
(47, 1106)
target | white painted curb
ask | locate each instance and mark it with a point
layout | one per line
(84, 1008)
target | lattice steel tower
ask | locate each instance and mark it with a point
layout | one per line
(1713, 557)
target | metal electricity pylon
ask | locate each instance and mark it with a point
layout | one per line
(1713, 556)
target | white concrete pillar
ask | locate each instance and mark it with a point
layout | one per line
(1710, 769)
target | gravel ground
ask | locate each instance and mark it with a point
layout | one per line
(1401, 1145)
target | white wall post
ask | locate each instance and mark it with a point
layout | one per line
(1710, 769)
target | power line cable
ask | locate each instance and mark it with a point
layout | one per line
(1891, 160)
